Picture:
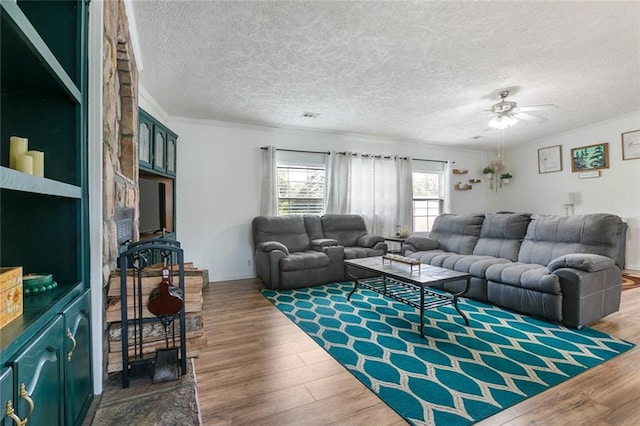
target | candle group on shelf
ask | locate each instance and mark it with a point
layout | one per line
(31, 162)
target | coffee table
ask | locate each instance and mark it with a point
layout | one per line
(408, 283)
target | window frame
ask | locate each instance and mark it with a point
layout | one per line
(298, 200)
(439, 199)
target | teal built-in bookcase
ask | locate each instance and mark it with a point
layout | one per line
(44, 220)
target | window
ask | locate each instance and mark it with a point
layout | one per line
(427, 199)
(300, 190)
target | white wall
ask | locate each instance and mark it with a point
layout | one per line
(616, 191)
(218, 184)
(219, 169)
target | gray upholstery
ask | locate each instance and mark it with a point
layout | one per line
(351, 232)
(584, 262)
(360, 252)
(346, 229)
(549, 237)
(304, 260)
(313, 224)
(288, 230)
(457, 233)
(294, 251)
(501, 235)
(566, 269)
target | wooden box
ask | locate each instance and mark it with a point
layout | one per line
(10, 294)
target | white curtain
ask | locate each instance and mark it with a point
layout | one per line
(447, 187)
(269, 197)
(404, 190)
(374, 183)
(337, 183)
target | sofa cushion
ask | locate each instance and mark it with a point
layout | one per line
(369, 240)
(501, 235)
(549, 237)
(304, 260)
(524, 275)
(474, 265)
(313, 224)
(360, 252)
(345, 228)
(288, 230)
(457, 233)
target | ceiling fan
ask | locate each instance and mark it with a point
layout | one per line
(507, 113)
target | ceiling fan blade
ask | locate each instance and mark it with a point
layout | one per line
(538, 107)
(529, 117)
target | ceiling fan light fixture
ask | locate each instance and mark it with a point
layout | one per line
(502, 121)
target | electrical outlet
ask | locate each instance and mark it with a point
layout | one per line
(249, 262)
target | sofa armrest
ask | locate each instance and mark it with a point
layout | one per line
(267, 263)
(369, 240)
(268, 246)
(381, 246)
(581, 261)
(320, 243)
(421, 242)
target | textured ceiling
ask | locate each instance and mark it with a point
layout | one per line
(420, 71)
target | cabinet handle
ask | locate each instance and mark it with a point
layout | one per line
(24, 395)
(12, 414)
(73, 342)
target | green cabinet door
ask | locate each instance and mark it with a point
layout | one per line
(145, 141)
(39, 370)
(6, 395)
(77, 359)
(159, 149)
(171, 154)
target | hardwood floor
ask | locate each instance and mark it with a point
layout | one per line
(260, 368)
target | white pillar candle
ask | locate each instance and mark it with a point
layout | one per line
(38, 162)
(24, 164)
(17, 147)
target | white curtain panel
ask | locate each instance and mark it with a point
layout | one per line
(446, 182)
(404, 191)
(269, 196)
(374, 183)
(337, 183)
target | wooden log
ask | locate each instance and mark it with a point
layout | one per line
(113, 313)
(116, 345)
(194, 346)
(192, 284)
(193, 323)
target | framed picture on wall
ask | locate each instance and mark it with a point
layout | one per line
(591, 157)
(631, 145)
(550, 159)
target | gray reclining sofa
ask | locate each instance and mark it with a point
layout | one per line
(565, 269)
(305, 250)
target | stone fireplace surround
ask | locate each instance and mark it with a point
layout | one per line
(119, 133)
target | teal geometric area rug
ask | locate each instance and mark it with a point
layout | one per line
(456, 374)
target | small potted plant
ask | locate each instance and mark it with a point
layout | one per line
(504, 178)
(487, 172)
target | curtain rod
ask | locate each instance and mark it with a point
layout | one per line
(343, 153)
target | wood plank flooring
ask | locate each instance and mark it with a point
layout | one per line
(260, 369)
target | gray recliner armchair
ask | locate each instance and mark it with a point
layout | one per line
(350, 231)
(286, 257)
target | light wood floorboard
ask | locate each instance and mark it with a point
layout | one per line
(261, 369)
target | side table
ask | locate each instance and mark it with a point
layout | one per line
(397, 239)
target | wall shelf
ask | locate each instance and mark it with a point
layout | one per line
(18, 181)
(462, 187)
(30, 51)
